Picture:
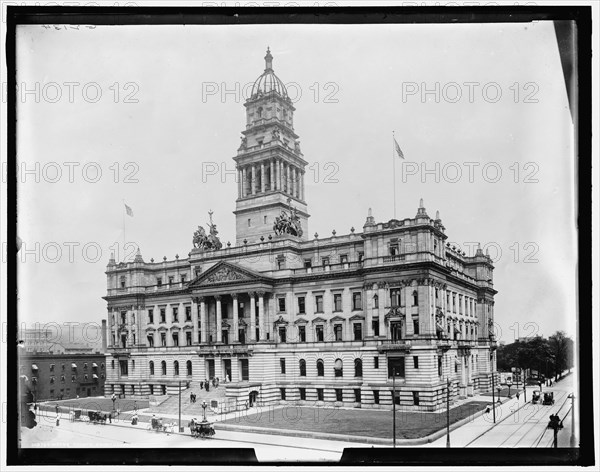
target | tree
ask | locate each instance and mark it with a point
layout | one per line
(561, 347)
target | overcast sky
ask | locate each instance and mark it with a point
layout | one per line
(161, 120)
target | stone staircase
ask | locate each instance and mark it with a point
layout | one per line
(171, 405)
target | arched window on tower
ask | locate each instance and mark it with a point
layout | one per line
(415, 297)
(259, 112)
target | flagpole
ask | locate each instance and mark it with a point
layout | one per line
(124, 211)
(394, 170)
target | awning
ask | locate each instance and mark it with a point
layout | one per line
(73, 365)
(94, 365)
(34, 367)
(94, 376)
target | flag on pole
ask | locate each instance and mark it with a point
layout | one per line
(128, 210)
(398, 150)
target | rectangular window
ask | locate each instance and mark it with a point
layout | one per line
(302, 393)
(416, 362)
(159, 281)
(325, 261)
(245, 369)
(319, 303)
(282, 365)
(319, 332)
(150, 316)
(151, 340)
(307, 263)
(344, 259)
(123, 368)
(416, 398)
(339, 395)
(175, 314)
(337, 302)
(320, 395)
(123, 317)
(188, 313)
(302, 333)
(282, 334)
(416, 326)
(439, 365)
(361, 255)
(183, 277)
(51, 367)
(376, 362)
(188, 338)
(170, 280)
(357, 331)
(357, 301)
(376, 397)
(280, 263)
(282, 391)
(175, 339)
(395, 297)
(163, 339)
(396, 364)
(281, 303)
(337, 330)
(375, 326)
(163, 315)
(301, 305)
(357, 396)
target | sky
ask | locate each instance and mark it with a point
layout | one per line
(145, 114)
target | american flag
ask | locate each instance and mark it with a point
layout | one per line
(128, 210)
(398, 150)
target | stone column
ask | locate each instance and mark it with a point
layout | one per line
(244, 181)
(195, 320)
(234, 296)
(252, 333)
(219, 318)
(203, 320)
(272, 174)
(262, 177)
(369, 327)
(261, 315)
(239, 182)
(382, 305)
(253, 183)
(288, 180)
(302, 185)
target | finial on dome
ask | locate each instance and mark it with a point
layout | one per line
(370, 213)
(421, 203)
(437, 214)
(268, 60)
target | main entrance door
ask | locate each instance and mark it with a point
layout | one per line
(211, 368)
(252, 398)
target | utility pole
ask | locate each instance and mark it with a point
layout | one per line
(394, 404)
(493, 397)
(572, 440)
(447, 412)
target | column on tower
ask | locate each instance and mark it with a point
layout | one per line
(286, 175)
(234, 296)
(252, 317)
(262, 177)
(239, 182)
(301, 185)
(295, 182)
(203, 320)
(244, 182)
(195, 320)
(280, 177)
(272, 172)
(261, 315)
(253, 182)
(219, 318)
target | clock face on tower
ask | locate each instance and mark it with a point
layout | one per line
(270, 165)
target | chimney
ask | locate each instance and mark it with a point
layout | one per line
(104, 336)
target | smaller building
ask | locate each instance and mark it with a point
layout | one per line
(49, 376)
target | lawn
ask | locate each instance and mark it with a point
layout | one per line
(356, 422)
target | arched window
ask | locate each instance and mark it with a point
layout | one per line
(320, 368)
(415, 296)
(302, 368)
(163, 368)
(259, 112)
(338, 368)
(357, 367)
(151, 367)
(188, 368)
(176, 368)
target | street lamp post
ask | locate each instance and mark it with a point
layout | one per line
(180, 428)
(524, 392)
(203, 410)
(509, 385)
(493, 397)
(447, 412)
(572, 440)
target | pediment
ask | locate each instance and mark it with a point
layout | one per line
(356, 318)
(319, 320)
(300, 321)
(337, 318)
(224, 273)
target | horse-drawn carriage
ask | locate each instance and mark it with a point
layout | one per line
(535, 397)
(201, 429)
(157, 425)
(97, 417)
(548, 398)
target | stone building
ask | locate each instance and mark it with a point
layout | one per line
(287, 318)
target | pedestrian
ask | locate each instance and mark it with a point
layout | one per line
(110, 417)
(57, 410)
(57, 419)
(135, 407)
(191, 397)
(201, 385)
(517, 395)
(134, 419)
(551, 382)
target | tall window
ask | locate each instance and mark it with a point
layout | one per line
(375, 326)
(337, 302)
(358, 371)
(281, 303)
(320, 395)
(302, 333)
(320, 368)
(416, 326)
(337, 329)
(357, 327)
(319, 303)
(150, 316)
(188, 338)
(396, 364)
(375, 301)
(163, 315)
(188, 368)
(415, 297)
(282, 365)
(175, 339)
(282, 334)
(302, 365)
(176, 368)
(319, 333)
(175, 314)
(151, 367)
(301, 305)
(188, 313)
(338, 368)
(163, 367)
(357, 301)
(163, 339)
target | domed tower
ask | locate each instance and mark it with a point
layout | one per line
(269, 162)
